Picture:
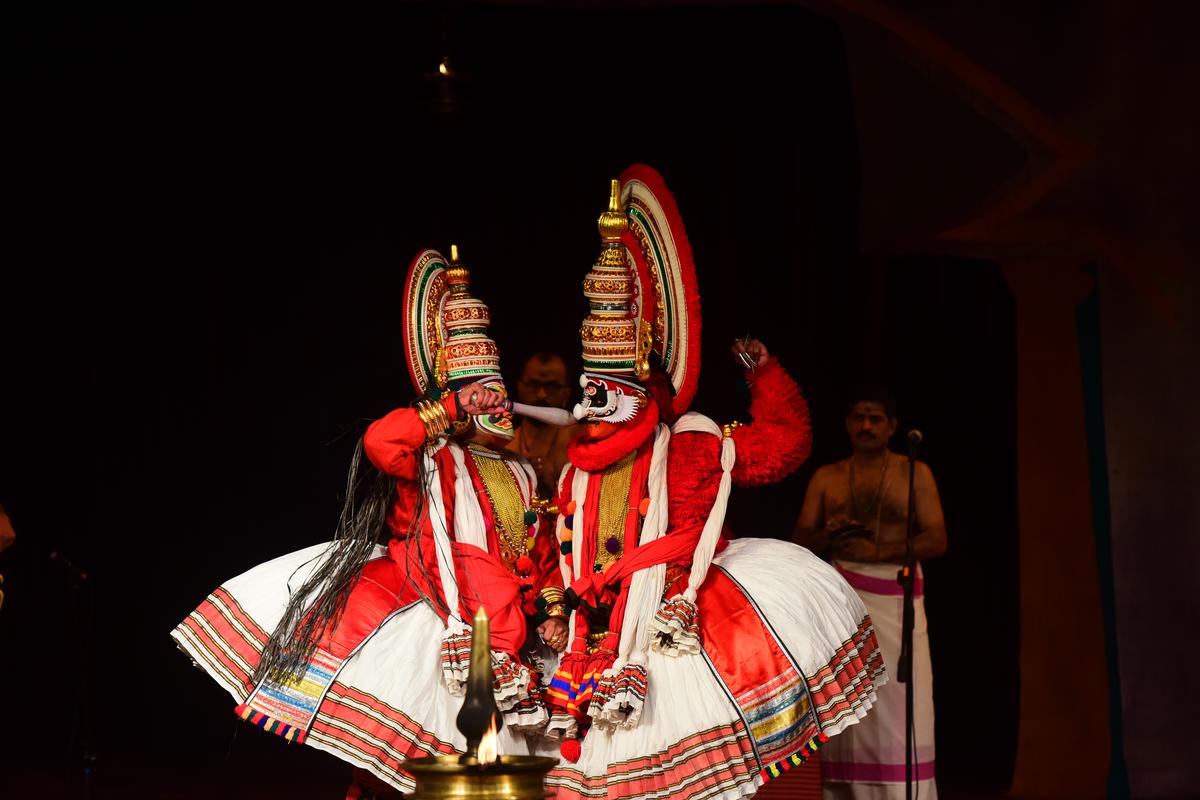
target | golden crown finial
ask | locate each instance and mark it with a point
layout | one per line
(613, 222)
(609, 333)
(457, 275)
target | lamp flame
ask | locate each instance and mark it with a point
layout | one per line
(489, 751)
(478, 719)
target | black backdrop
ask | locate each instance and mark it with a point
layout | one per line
(217, 209)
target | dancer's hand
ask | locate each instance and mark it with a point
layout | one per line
(855, 548)
(756, 350)
(554, 633)
(477, 400)
(837, 522)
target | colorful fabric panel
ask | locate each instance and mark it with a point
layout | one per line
(222, 638)
(287, 707)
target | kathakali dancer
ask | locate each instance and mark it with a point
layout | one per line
(362, 650)
(699, 667)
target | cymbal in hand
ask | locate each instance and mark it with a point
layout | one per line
(750, 352)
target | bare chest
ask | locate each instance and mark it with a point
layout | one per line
(874, 500)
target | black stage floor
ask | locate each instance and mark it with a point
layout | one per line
(295, 773)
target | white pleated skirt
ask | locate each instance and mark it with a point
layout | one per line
(695, 739)
(387, 703)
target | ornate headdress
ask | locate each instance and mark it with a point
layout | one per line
(446, 344)
(644, 304)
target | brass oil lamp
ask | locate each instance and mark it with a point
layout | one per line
(480, 773)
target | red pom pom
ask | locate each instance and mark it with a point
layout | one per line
(570, 749)
(524, 565)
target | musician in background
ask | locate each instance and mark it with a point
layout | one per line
(544, 383)
(855, 515)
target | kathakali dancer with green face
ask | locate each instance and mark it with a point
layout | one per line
(360, 648)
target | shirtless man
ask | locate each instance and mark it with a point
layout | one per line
(878, 499)
(855, 514)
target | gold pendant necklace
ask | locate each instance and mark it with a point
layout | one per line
(508, 505)
(614, 510)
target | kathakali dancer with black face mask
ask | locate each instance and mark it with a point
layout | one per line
(699, 667)
(361, 649)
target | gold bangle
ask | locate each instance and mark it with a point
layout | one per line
(558, 611)
(553, 595)
(433, 416)
(440, 416)
(426, 418)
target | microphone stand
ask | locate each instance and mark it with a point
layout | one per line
(907, 580)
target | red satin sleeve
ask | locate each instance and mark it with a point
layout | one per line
(392, 442)
(779, 439)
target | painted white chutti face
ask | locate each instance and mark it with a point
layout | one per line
(605, 401)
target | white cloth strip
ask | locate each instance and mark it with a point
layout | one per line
(646, 587)
(469, 527)
(524, 469)
(578, 494)
(441, 539)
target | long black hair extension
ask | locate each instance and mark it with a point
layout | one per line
(319, 602)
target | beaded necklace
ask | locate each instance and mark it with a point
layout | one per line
(875, 505)
(508, 504)
(614, 510)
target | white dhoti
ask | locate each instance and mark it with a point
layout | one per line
(866, 762)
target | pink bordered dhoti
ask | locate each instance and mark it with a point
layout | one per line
(867, 761)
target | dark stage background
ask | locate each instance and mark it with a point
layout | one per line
(218, 209)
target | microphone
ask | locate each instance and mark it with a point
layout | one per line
(915, 436)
